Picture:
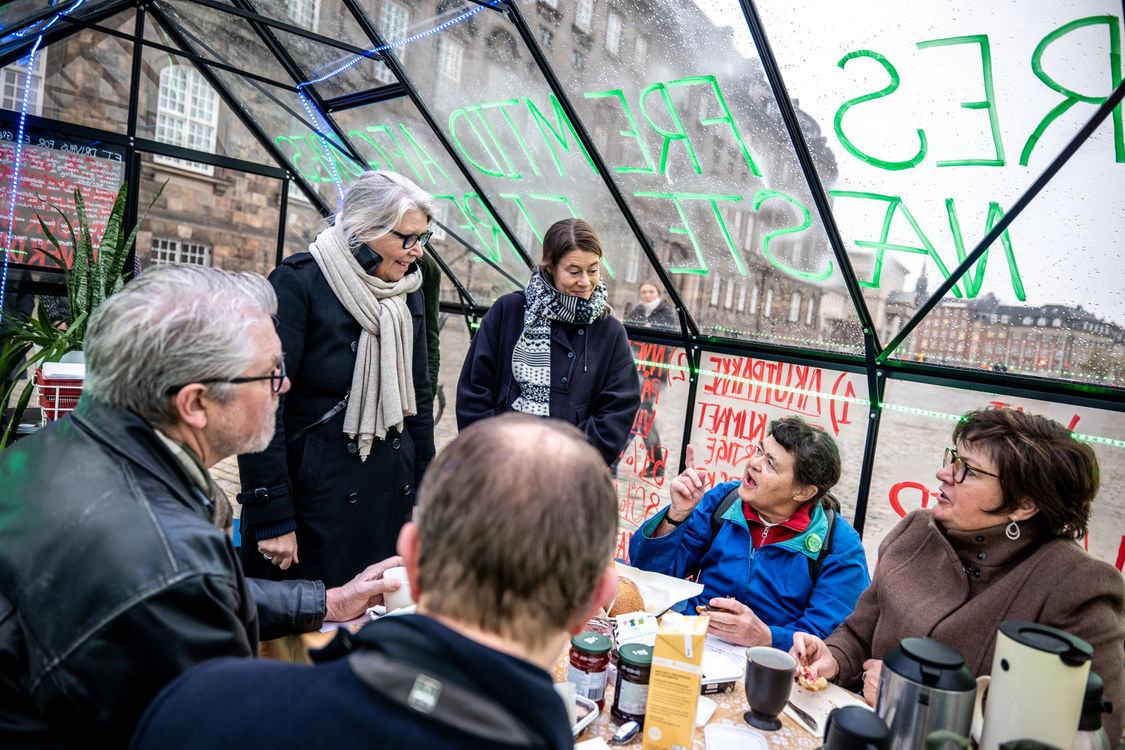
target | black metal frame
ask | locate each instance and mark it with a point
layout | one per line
(877, 363)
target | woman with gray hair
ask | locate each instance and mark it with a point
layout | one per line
(354, 435)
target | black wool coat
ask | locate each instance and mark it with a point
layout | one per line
(348, 512)
(593, 380)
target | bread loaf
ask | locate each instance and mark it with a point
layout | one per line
(628, 599)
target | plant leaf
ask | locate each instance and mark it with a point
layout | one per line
(81, 264)
(934, 740)
(108, 260)
(17, 414)
(133, 235)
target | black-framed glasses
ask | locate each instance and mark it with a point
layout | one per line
(960, 468)
(276, 378)
(410, 240)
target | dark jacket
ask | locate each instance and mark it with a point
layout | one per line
(113, 582)
(346, 702)
(593, 380)
(663, 317)
(346, 512)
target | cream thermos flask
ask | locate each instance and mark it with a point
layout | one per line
(1036, 689)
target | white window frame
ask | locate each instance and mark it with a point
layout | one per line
(794, 307)
(305, 13)
(754, 298)
(394, 19)
(633, 263)
(451, 55)
(174, 251)
(769, 303)
(18, 72)
(729, 299)
(613, 28)
(178, 114)
(640, 52)
(742, 296)
(715, 289)
(809, 314)
(584, 14)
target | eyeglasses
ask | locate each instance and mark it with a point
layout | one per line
(960, 468)
(276, 378)
(410, 240)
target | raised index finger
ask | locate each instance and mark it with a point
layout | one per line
(689, 462)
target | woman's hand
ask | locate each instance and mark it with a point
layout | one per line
(872, 671)
(810, 651)
(687, 491)
(281, 550)
(738, 624)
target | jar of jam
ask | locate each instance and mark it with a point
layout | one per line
(630, 694)
(589, 657)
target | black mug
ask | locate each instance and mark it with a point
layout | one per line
(769, 680)
(855, 728)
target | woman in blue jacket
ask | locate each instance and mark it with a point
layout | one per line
(555, 350)
(772, 556)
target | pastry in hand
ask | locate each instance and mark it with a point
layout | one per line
(705, 608)
(809, 679)
(628, 599)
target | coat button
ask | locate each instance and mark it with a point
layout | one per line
(564, 378)
(976, 574)
(396, 444)
(980, 555)
(353, 497)
(581, 331)
(406, 490)
(353, 447)
(355, 345)
(980, 538)
(570, 355)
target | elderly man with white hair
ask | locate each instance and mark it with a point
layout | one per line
(113, 577)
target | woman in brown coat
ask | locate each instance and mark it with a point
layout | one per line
(999, 545)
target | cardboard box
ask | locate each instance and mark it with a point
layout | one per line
(673, 688)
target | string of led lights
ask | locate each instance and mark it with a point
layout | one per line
(314, 115)
(18, 154)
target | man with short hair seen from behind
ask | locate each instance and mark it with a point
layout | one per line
(113, 577)
(511, 552)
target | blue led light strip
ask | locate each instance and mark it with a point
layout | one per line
(313, 113)
(14, 192)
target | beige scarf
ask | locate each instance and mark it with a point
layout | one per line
(382, 393)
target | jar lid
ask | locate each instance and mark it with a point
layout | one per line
(591, 643)
(636, 654)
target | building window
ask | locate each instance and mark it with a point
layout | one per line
(578, 60)
(583, 14)
(13, 80)
(546, 36)
(794, 307)
(715, 289)
(393, 20)
(640, 52)
(187, 114)
(742, 296)
(167, 251)
(552, 4)
(441, 213)
(450, 54)
(730, 294)
(613, 34)
(809, 315)
(305, 12)
(632, 266)
(769, 303)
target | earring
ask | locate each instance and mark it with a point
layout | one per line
(1012, 531)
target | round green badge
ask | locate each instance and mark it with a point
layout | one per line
(813, 543)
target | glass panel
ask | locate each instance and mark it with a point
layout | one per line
(939, 118)
(334, 72)
(301, 218)
(177, 106)
(51, 166)
(393, 135)
(738, 398)
(283, 116)
(916, 426)
(454, 344)
(651, 459)
(227, 220)
(706, 165)
(87, 77)
(15, 11)
(226, 38)
(1051, 303)
(498, 110)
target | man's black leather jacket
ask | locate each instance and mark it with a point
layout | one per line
(113, 582)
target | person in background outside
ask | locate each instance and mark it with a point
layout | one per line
(113, 577)
(782, 560)
(652, 311)
(355, 434)
(554, 349)
(999, 544)
(511, 553)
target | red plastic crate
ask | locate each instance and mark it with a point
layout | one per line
(57, 396)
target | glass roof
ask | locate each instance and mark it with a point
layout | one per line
(800, 181)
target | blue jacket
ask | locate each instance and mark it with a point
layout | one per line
(593, 378)
(772, 580)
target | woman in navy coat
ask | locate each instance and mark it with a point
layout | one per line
(328, 496)
(555, 350)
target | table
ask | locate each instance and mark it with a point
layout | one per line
(728, 710)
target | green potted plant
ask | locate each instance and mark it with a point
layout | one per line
(93, 275)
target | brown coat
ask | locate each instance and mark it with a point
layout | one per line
(958, 586)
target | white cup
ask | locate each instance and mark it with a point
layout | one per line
(401, 597)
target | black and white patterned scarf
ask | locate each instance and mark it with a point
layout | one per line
(531, 357)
